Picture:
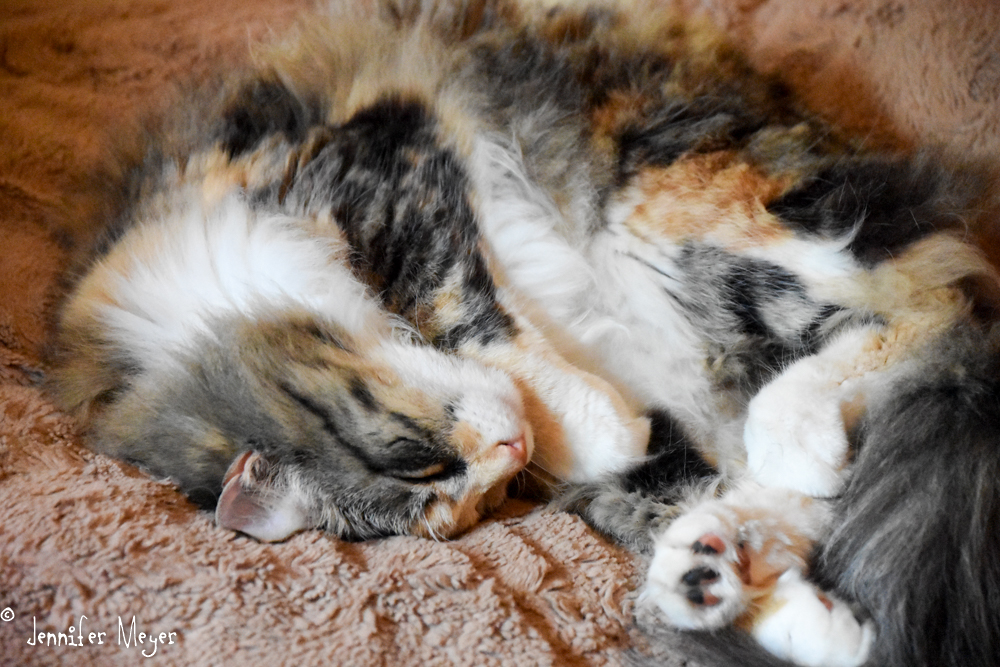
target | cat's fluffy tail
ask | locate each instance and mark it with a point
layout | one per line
(918, 540)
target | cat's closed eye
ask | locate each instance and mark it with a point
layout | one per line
(431, 473)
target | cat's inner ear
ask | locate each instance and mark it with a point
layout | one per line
(250, 504)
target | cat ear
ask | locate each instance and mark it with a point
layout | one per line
(249, 506)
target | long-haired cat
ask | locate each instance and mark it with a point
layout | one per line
(422, 244)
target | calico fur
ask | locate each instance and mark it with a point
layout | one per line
(921, 507)
(422, 243)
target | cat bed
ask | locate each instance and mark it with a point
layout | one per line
(100, 565)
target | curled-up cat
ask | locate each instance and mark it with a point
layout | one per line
(302, 355)
(424, 245)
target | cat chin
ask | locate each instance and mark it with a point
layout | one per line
(445, 520)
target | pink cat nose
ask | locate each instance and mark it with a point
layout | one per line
(517, 448)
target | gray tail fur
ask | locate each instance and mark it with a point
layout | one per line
(917, 542)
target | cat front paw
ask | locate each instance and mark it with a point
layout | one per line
(696, 574)
(795, 439)
(810, 628)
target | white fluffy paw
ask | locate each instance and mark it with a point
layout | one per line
(795, 438)
(809, 628)
(695, 575)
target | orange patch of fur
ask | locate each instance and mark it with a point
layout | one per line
(760, 607)
(770, 561)
(760, 565)
(713, 197)
(466, 439)
(621, 108)
(220, 176)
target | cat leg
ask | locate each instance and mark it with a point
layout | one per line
(738, 559)
(795, 434)
(713, 561)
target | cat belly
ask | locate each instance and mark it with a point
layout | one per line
(605, 311)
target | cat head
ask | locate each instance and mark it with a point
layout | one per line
(400, 439)
(288, 423)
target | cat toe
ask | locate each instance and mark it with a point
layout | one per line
(697, 581)
(709, 544)
(700, 575)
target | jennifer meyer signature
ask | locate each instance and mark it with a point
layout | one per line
(125, 634)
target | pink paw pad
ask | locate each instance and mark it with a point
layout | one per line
(709, 544)
(698, 578)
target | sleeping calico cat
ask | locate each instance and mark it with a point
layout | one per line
(421, 245)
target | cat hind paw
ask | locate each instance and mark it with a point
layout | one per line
(810, 628)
